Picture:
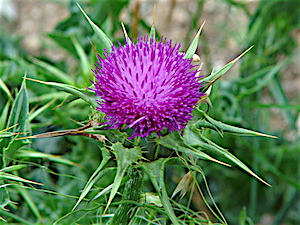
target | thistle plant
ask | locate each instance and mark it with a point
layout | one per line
(150, 109)
(147, 86)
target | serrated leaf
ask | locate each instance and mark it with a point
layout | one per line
(174, 141)
(155, 171)
(207, 145)
(232, 129)
(124, 157)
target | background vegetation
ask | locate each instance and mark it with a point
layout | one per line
(261, 93)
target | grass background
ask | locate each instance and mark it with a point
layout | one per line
(39, 39)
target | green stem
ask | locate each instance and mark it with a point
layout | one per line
(132, 191)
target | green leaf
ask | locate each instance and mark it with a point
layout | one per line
(13, 168)
(229, 128)
(28, 199)
(84, 61)
(63, 39)
(6, 90)
(81, 93)
(193, 46)
(11, 149)
(155, 171)
(216, 75)
(95, 176)
(106, 42)
(207, 145)
(268, 76)
(33, 115)
(8, 176)
(164, 194)
(18, 115)
(243, 216)
(4, 196)
(55, 72)
(108, 188)
(124, 157)
(152, 33)
(41, 155)
(49, 96)
(151, 198)
(4, 115)
(174, 141)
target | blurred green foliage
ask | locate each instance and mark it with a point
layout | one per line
(65, 164)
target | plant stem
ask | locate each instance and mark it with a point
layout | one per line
(132, 191)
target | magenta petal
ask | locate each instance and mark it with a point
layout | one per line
(148, 86)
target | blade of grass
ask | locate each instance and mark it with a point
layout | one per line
(28, 199)
(95, 176)
(13, 168)
(9, 176)
(84, 61)
(18, 115)
(50, 157)
(164, 194)
(6, 90)
(4, 115)
(102, 36)
(34, 114)
(57, 73)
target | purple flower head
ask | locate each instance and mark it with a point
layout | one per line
(147, 85)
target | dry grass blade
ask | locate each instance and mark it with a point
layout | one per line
(77, 131)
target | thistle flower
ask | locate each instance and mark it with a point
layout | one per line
(147, 86)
